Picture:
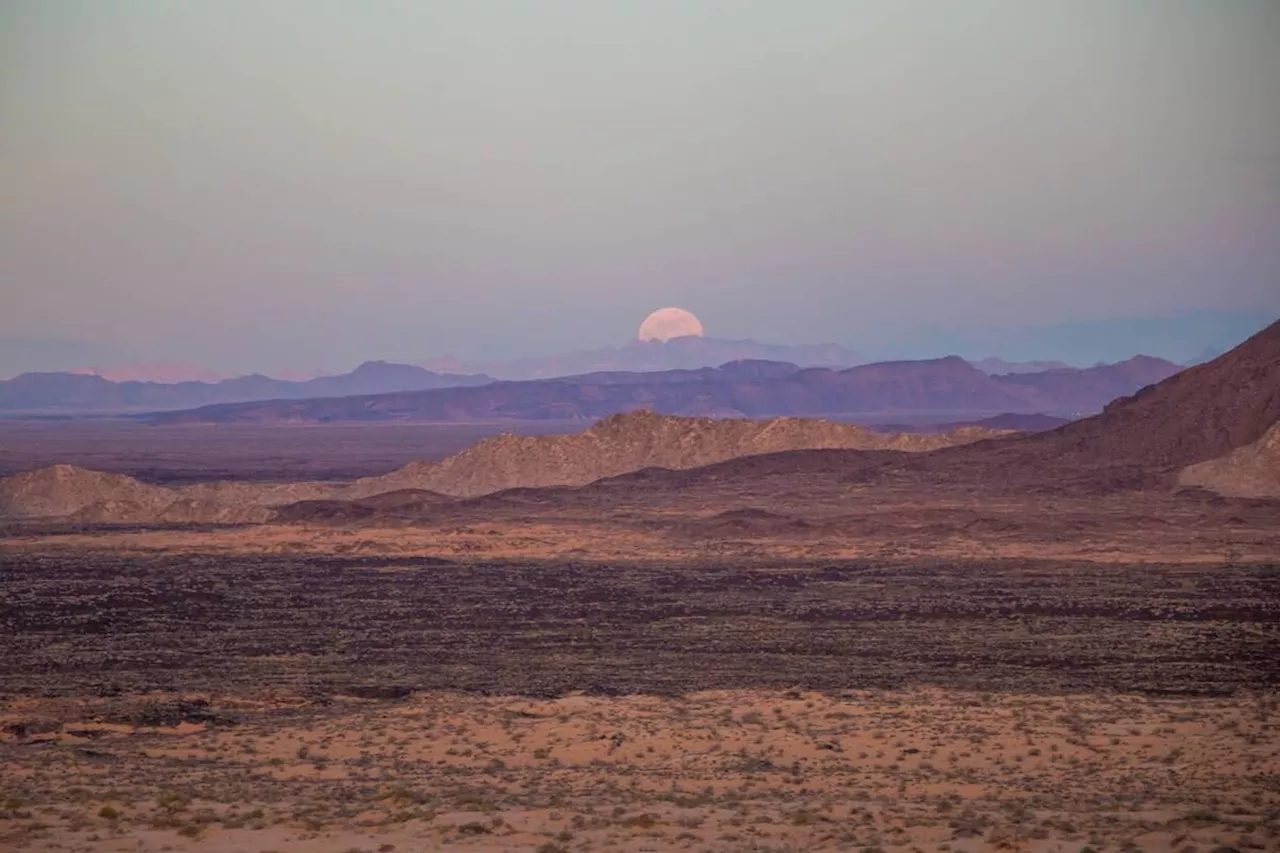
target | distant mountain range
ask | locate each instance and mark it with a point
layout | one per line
(1213, 427)
(1227, 410)
(737, 389)
(647, 356)
(148, 388)
(86, 393)
(1187, 338)
(691, 353)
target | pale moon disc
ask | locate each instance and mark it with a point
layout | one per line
(667, 323)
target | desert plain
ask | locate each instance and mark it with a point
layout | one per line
(1066, 641)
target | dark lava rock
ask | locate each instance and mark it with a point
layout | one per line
(178, 711)
(378, 691)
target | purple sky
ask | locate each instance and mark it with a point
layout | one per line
(305, 184)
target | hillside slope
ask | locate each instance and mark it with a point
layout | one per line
(96, 497)
(631, 442)
(1252, 471)
(1201, 413)
(1141, 441)
(618, 445)
(62, 490)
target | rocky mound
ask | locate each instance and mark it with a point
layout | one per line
(1202, 413)
(617, 445)
(638, 440)
(1252, 471)
(63, 490)
(95, 497)
(1139, 442)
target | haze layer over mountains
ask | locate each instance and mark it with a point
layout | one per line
(80, 392)
(939, 387)
(744, 386)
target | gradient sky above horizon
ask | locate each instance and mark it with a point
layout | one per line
(303, 184)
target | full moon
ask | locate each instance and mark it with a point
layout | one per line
(667, 323)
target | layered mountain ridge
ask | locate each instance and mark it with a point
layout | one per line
(752, 389)
(86, 392)
(1212, 427)
(1140, 441)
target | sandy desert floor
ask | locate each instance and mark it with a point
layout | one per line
(252, 698)
(783, 665)
(911, 769)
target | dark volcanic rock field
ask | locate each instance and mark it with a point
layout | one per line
(83, 624)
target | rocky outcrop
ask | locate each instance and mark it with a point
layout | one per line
(64, 490)
(1252, 471)
(629, 442)
(81, 496)
(616, 445)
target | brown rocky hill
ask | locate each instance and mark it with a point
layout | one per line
(617, 445)
(1201, 413)
(63, 490)
(96, 497)
(642, 439)
(1252, 471)
(1142, 441)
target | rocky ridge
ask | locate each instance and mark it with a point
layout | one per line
(642, 439)
(616, 445)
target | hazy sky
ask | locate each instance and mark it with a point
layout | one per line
(302, 183)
